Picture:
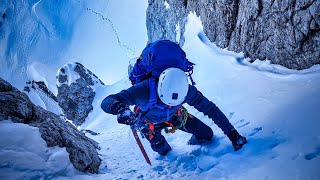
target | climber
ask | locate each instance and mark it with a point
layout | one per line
(160, 88)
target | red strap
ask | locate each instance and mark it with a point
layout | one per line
(151, 128)
(179, 111)
(137, 110)
(170, 124)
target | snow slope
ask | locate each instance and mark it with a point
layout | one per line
(108, 34)
(42, 98)
(274, 107)
(35, 33)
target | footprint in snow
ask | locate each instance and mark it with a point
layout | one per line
(205, 163)
(242, 123)
(196, 152)
(230, 115)
(158, 168)
(225, 150)
(313, 154)
(140, 177)
(262, 145)
(186, 162)
(130, 171)
(255, 131)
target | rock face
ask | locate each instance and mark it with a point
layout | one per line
(285, 32)
(166, 22)
(16, 106)
(76, 91)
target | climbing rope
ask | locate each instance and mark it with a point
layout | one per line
(182, 117)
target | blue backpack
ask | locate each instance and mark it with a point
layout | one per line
(158, 56)
(155, 58)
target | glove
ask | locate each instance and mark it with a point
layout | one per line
(126, 116)
(237, 140)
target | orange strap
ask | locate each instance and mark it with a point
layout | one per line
(151, 128)
(137, 110)
(151, 125)
(179, 111)
(170, 124)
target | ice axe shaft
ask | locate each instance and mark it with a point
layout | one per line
(145, 155)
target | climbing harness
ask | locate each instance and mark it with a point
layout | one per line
(182, 116)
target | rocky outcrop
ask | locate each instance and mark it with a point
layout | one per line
(284, 32)
(40, 85)
(38, 90)
(16, 106)
(166, 22)
(76, 91)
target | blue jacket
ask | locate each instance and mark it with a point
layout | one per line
(138, 94)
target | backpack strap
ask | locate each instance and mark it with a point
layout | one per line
(153, 102)
(153, 96)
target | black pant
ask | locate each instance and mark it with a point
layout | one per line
(193, 126)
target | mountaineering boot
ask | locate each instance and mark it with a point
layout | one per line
(237, 140)
(161, 146)
(197, 141)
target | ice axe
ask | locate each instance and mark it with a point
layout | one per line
(135, 134)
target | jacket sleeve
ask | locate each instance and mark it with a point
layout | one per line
(112, 103)
(196, 99)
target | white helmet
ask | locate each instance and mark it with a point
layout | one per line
(173, 86)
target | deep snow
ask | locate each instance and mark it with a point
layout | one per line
(276, 108)
(25, 155)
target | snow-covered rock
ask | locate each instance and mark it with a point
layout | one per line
(25, 155)
(41, 95)
(76, 91)
(17, 107)
(164, 23)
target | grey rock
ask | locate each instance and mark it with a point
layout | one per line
(55, 131)
(62, 78)
(76, 99)
(284, 32)
(165, 23)
(86, 74)
(14, 105)
(5, 87)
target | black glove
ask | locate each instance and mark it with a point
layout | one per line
(237, 140)
(126, 116)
